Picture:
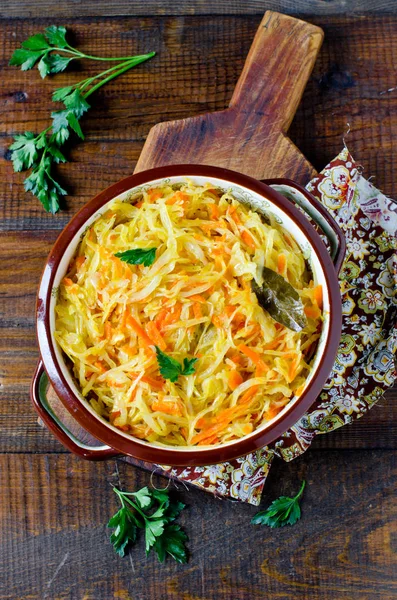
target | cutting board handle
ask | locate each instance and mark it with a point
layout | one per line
(250, 135)
(276, 71)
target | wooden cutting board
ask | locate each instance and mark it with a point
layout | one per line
(250, 135)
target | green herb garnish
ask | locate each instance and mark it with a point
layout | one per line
(42, 151)
(43, 45)
(283, 511)
(171, 369)
(138, 256)
(153, 512)
(281, 300)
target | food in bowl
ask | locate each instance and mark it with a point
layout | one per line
(189, 319)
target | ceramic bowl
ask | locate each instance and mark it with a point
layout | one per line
(288, 203)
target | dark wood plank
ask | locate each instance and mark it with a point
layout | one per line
(55, 541)
(198, 63)
(24, 8)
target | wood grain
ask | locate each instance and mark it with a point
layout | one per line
(249, 136)
(55, 541)
(198, 63)
(54, 507)
(102, 8)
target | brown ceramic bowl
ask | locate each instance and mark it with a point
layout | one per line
(280, 200)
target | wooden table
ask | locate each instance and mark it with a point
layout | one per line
(54, 507)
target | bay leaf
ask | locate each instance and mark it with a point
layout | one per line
(280, 300)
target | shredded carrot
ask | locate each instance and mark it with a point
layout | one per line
(159, 318)
(293, 369)
(245, 398)
(80, 260)
(123, 427)
(99, 365)
(114, 414)
(67, 281)
(167, 407)
(208, 433)
(115, 384)
(235, 379)
(129, 350)
(176, 197)
(214, 208)
(139, 204)
(248, 239)
(232, 212)
(183, 431)
(212, 440)
(281, 263)
(198, 298)
(154, 195)
(260, 371)
(173, 315)
(272, 412)
(108, 330)
(139, 331)
(156, 384)
(313, 312)
(254, 356)
(247, 428)
(156, 336)
(225, 417)
(299, 390)
(197, 310)
(272, 345)
(217, 321)
(318, 295)
(118, 268)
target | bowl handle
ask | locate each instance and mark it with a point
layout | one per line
(317, 212)
(38, 394)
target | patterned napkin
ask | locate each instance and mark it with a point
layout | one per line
(364, 366)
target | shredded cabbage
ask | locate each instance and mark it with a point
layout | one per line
(195, 300)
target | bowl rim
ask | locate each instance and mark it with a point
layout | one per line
(164, 455)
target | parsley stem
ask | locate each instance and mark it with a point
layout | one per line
(86, 82)
(299, 494)
(118, 58)
(125, 67)
(124, 499)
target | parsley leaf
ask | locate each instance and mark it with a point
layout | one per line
(24, 151)
(26, 59)
(281, 512)
(143, 497)
(125, 531)
(154, 513)
(171, 369)
(56, 36)
(153, 529)
(36, 42)
(138, 256)
(188, 366)
(172, 542)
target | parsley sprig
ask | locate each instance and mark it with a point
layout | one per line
(138, 256)
(171, 369)
(154, 512)
(42, 151)
(281, 512)
(42, 47)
